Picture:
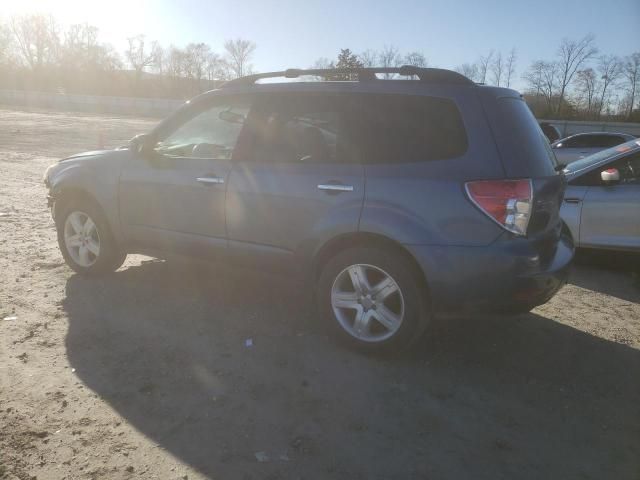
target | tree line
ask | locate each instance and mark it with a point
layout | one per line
(38, 53)
(583, 83)
(579, 83)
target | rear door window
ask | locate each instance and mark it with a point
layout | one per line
(408, 128)
(300, 129)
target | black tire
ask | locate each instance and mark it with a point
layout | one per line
(413, 290)
(110, 257)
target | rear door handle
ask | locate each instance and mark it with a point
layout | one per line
(572, 200)
(214, 180)
(335, 187)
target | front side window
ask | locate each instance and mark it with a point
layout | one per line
(579, 141)
(628, 167)
(211, 133)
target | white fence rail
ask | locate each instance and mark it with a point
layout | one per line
(150, 107)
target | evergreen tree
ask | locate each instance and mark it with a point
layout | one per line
(346, 59)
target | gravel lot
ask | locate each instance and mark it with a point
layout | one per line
(146, 374)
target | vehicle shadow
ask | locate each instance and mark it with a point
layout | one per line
(525, 397)
(600, 271)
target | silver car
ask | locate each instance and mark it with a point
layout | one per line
(582, 145)
(601, 206)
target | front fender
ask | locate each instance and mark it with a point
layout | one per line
(571, 210)
(95, 177)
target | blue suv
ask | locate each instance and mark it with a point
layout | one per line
(399, 199)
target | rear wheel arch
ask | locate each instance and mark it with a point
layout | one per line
(363, 239)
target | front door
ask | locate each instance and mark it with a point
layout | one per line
(611, 213)
(174, 198)
(298, 185)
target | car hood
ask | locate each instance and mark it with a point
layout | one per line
(87, 155)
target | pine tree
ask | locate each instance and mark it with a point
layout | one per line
(346, 59)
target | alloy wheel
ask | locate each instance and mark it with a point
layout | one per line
(367, 302)
(81, 239)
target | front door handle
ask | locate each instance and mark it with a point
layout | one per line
(214, 180)
(572, 200)
(335, 187)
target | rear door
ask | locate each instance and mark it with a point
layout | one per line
(299, 182)
(611, 213)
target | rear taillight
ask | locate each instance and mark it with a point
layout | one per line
(508, 202)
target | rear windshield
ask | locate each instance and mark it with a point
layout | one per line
(409, 128)
(524, 149)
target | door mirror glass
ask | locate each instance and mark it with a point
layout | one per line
(610, 176)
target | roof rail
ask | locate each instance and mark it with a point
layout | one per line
(428, 75)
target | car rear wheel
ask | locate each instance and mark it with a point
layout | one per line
(85, 240)
(373, 299)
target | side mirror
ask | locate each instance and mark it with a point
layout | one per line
(610, 176)
(141, 145)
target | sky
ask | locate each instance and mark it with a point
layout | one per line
(294, 33)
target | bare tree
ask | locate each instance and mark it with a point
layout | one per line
(415, 59)
(469, 70)
(82, 50)
(483, 66)
(511, 65)
(215, 67)
(238, 56)
(159, 58)
(609, 68)
(631, 73)
(534, 77)
(138, 55)
(323, 63)
(586, 83)
(389, 57)
(196, 60)
(550, 80)
(369, 58)
(497, 69)
(572, 54)
(5, 45)
(37, 39)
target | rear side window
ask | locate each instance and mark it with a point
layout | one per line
(408, 128)
(523, 147)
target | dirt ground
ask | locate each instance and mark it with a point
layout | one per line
(146, 373)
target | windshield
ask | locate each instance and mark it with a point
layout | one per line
(601, 156)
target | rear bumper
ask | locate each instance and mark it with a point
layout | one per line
(509, 275)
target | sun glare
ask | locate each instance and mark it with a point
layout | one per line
(115, 19)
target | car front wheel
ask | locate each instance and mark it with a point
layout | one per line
(85, 240)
